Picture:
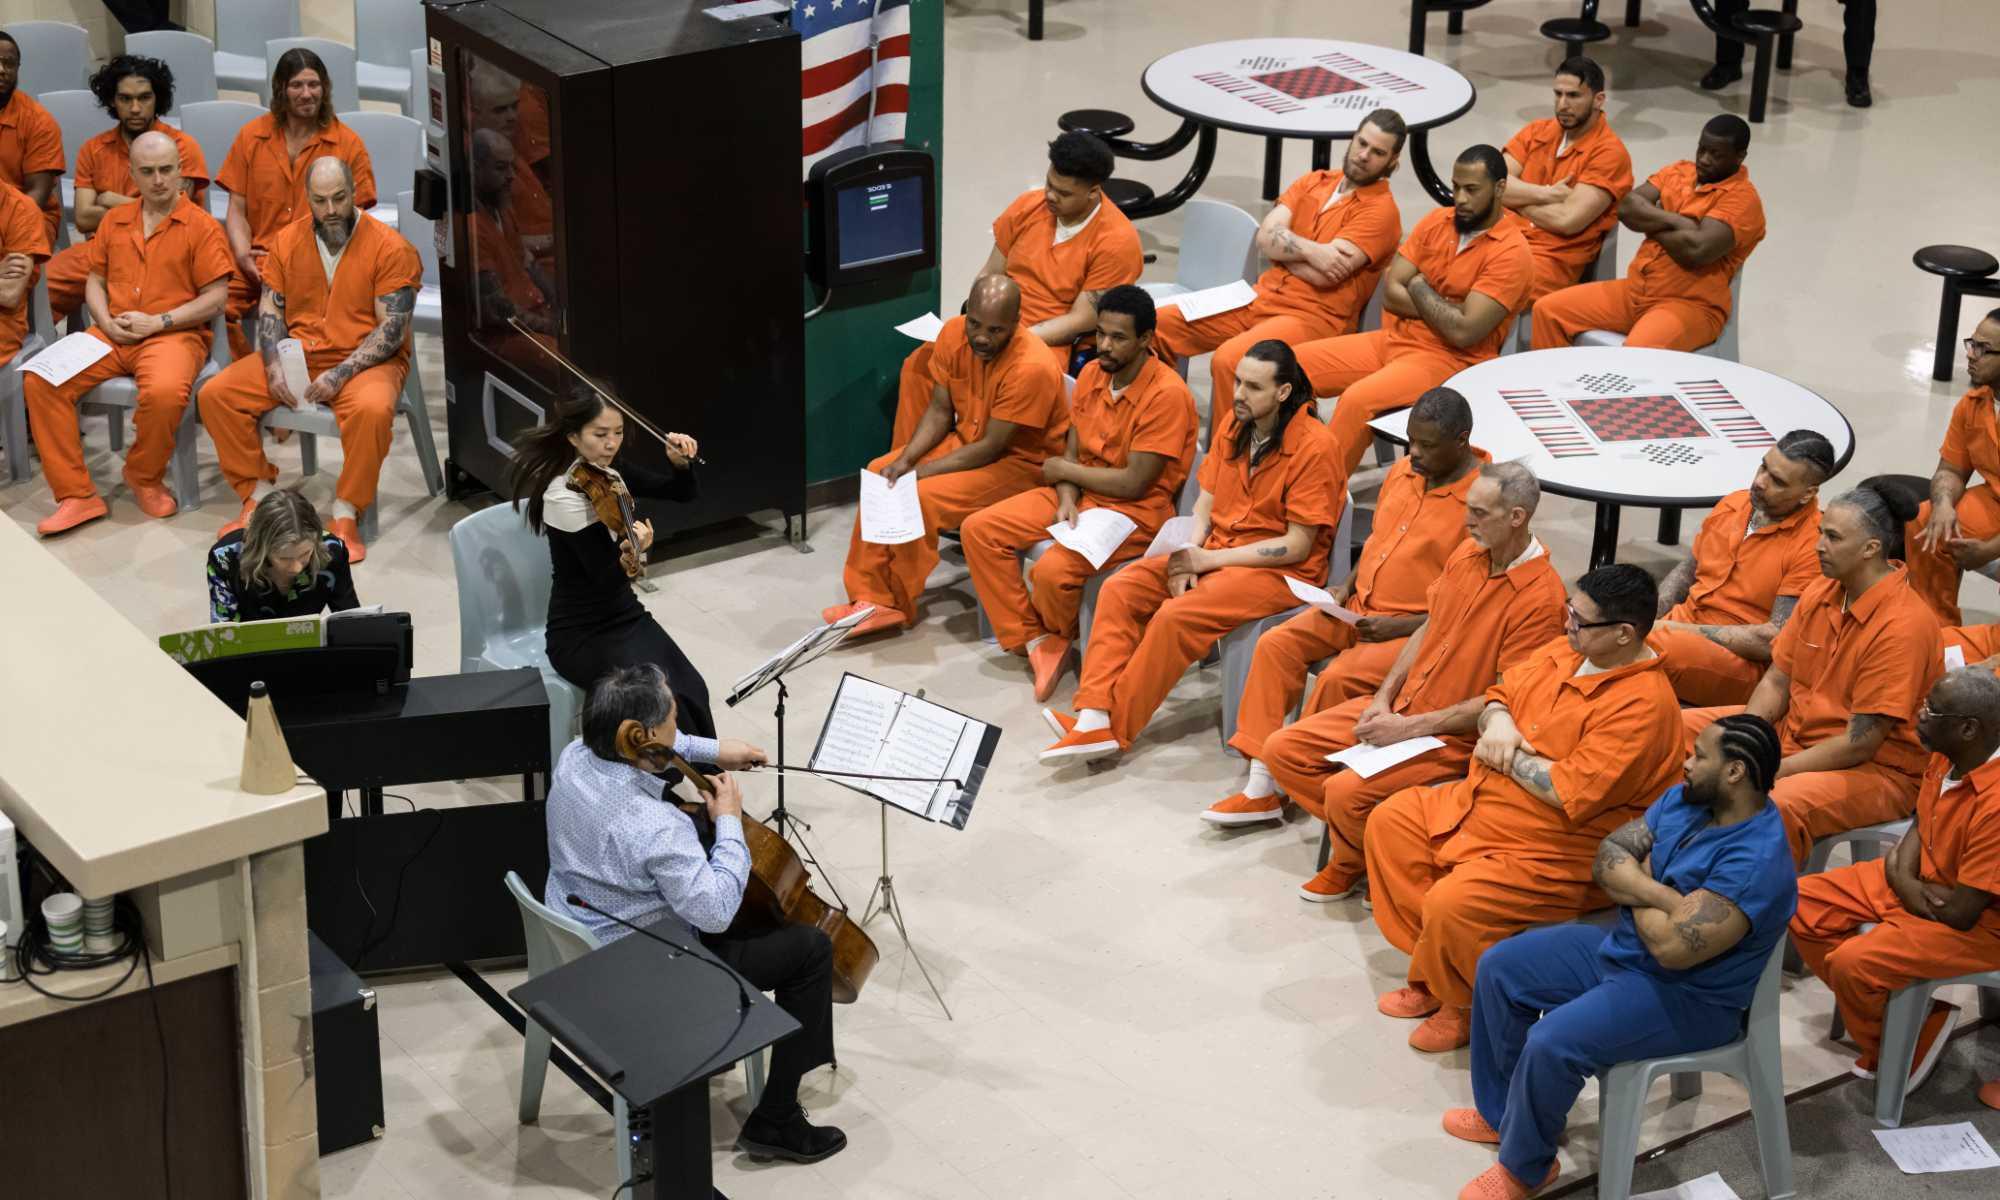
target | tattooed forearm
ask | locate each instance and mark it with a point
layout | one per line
(1781, 612)
(1273, 551)
(1532, 772)
(1676, 586)
(383, 341)
(1695, 928)
(1862, 727)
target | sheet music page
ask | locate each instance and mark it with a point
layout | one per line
(856, 728)
(925, 328)
(61, 361)
(1097, 534)
(1209, 302)
(926, 741)
(890, 513)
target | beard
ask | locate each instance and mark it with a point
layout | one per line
(1703, 795)
(334, 234)
(1466, 225)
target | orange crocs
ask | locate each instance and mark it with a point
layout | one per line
(1239, 809)
(1407, 1002)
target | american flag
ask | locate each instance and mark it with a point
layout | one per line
(835, 83)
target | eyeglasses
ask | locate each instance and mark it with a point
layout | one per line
(1925, 711)
(1978, 349)
(1571, 619)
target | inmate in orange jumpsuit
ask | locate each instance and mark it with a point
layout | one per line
(273, 186)
(1977, 642)
(1880, 655)
(141, 274)
(21, 232)
(31, 143)
(1154, 414)
(1022, 385)
(1143, 640)
(1101, 254)
(331, 320)
(1481, 624)
(1972, 444)
(1287, 307)
(1660, 303)
(1958, 824)
(104, 164)
(1388, 368)
(1416, 529)
(1597, 159)
(1738, 576)
(499, 251)
(1453, 869)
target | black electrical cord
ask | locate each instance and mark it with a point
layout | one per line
(370, 939)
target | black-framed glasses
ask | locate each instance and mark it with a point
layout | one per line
(1574, 622)
(1974, 348)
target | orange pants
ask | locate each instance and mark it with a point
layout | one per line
(995, 536)
(163, 366)
(1297, 754)
(243, 298)
(893, 576)
(1359, 370)
(234, 401)
(1863, 968)
(1445, 914)
(65, 272)
(1658, 324)
(1935, 575)
(1142, 641)
(913, 394)
(1819, 804)
(1229, 335)
(1702, 672)
(1553, 275)
(1278, 674)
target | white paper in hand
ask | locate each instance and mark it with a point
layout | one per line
(925, 328)
(1928, 1149)
(1708, 1187)
(1369, 761)
(59, 363)
(890, 516)
(1954, 657)
(1097, 535)
(1172, 536)
(1321, 599)
(292, 361)
(1208, 302)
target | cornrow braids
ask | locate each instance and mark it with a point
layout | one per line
(1750, 740)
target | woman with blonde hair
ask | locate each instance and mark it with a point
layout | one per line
(283, 563)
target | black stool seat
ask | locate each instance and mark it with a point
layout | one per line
(1101, 121)
(1759, 22)
(1127, 194)
(1574, 31)
(1956, 262)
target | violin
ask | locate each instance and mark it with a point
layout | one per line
(612, 502)
(779, 892)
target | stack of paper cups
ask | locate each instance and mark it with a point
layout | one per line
(98, 937)
(64, 914)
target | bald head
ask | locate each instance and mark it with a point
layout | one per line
(330, 195)
(496, 99)
(327, 171)
(1961, 717)
(492, 166)
(992, 312)
(156, 168)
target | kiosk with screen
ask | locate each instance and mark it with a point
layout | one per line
(872, 215)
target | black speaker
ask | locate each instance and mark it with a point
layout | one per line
(347, 1052)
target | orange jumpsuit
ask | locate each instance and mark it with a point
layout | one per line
(1660, 303)
(330, 319)
(21, 232)
(498, 250)
(1099, 256)
(1143, 640)
(273, 186)
(1879, 655)
(1154, 414)
(1416, 529)
(1388, 368)
(141, 274)
(1480, 625)
(1022, 385)
(1972, 444)
(31, 143)
(1738, 576)
(1454, 868)
(1977, 642)
(1597, 159)
(1287, 307)
(1958, 824)
(104, 164)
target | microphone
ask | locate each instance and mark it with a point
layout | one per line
(742, 993)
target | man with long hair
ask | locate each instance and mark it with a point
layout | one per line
(265, 173)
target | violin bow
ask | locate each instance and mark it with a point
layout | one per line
(588, 382)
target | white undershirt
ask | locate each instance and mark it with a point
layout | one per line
(1339, 193)
(330, 261)
(1533, 551)
(1591, 668)
(1066, 232)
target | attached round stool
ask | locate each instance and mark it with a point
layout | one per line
(1103, 122)
(1128, 194)
(1964, 269)
(1763, 27)
(1576, 32)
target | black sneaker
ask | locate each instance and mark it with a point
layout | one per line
(790, 1137)
(1720, 76)
(1858, 94)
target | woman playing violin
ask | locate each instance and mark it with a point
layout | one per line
(617, 845)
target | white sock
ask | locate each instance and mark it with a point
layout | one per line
(342, 508)
(1259, 784)
(264, 488)
(1090, 720)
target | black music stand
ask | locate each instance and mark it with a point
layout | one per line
(654, 1024)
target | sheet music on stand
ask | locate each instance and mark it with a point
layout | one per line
(874, 729)
(814, 643)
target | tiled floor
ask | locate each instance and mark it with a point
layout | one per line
(1142, 1007)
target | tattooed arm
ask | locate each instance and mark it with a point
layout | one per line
(1676, 586)
(270, 331)
(1683, 932)
(392, 327)
(1293, 546)
(1620, 868)
(1531, 771)
(1865, 734)
(1751, 642)
(1079, 320)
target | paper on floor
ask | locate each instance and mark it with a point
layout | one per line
(1207, 302)
(890, 516)
(1369, 761)
(1321, 599)
(924, 328)
(60, 362)
(1097, 535)
(1708, 1187)
(1927, 1149)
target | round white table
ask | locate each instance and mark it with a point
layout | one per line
(1620, 426)
(1311, 88)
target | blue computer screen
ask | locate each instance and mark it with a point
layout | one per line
(879, 221)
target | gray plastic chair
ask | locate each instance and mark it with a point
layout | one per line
(1902, 1021)
(1753, 1059)
(13, 406)
(554, 939)
(315, 423)
(80, 118)
(242, 29)
(55, 55)
(339, 60)
(1605, 266)
(385, 31)
(115, 397)
(1238, 647)
(416, 104)
(190, 56)
(214, 124)
(395, 143)
(1218, 244)
(504, 576)
(1723, 347)
(1866, 843)
(417, 230)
